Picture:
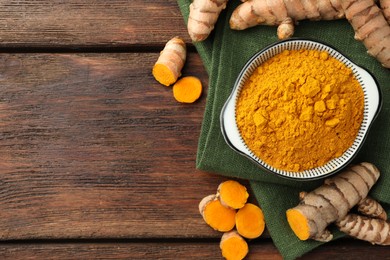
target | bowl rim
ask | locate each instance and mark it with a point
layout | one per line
(298, 176)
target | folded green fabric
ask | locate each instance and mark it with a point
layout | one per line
(224, 54)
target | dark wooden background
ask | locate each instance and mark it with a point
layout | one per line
(97, 160)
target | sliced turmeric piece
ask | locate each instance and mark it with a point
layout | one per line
(187, 89)
(250, 221)
(216, 215)
(232, 194)
(233, 246)
(169, 64)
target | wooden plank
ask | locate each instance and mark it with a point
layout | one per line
(93, 147)
(89, 23)
(163, 250)
(346, 249)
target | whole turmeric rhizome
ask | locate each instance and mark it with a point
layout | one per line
(228, 211)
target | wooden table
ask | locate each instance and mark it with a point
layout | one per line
(97, 158)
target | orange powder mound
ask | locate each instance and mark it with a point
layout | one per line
(300, 109)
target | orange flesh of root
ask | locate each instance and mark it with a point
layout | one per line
(219, 217)
(298, 223)
(250, 221)
(234, 248)
(187, 89)
(233, 194)
(163, 74)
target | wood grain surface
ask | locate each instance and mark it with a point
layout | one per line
(97, 158)
(202, 249)
(89, 23)
(92, 146)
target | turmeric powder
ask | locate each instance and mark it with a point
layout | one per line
(300, 109)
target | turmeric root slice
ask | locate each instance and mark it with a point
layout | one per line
(216, 215)
(233, 246)
(250, 221)
(187, 89)
(232, 194)
(168, 66)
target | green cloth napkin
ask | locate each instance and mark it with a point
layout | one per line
(224, 54)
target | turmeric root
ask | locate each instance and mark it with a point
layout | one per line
(250, 221)
(283, 12)
(371, 24)
(376, 231)
(203, 16)
(370, 27)
(372, 227)
(168, 67)
(216, 215)
(286, 29)
(232, 194)
(371, 208)
(187, 89)
(385, 6)
(233, 246)
(331, 202)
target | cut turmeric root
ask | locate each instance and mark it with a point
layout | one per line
(187, 89)
(250, 221)
(168, 67)
(233, 246)
(216, 215)
(331, 202)
(298, 223)
(220, 212)
(232, 194)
